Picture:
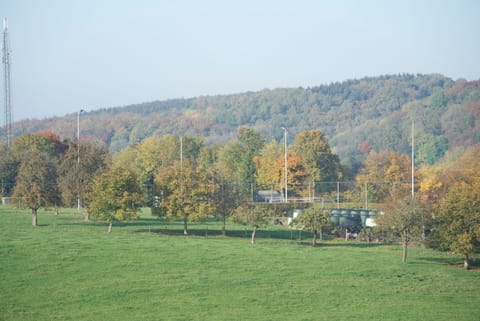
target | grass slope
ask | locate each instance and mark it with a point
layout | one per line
(69, 270)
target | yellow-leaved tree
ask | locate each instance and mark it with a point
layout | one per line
(115, 196)
(188, 192)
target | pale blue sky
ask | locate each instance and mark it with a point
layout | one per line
(88, 54)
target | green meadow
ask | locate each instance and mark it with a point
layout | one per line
(66, 269)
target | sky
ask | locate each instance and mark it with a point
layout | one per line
(92, 54)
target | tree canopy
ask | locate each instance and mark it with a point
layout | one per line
(116, 195)
(36, 182)
(372, 112)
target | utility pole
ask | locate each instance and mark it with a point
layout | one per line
(78, 158)
(413, 159)
(7, 89)
(286, 167)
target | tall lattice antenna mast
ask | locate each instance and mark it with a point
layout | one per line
(6, 80)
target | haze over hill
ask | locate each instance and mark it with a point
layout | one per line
(357, 116)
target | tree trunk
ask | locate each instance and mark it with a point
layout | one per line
(314, 239)
(185, 225)
(405, 247)
(34, 217)
(253, 234)
(110, 227)
(466, 262)
(224, 225)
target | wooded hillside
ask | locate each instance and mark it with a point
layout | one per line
(356, 115)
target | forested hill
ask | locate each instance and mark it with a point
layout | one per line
(357, 116)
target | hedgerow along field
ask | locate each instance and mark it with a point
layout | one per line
(66, 269)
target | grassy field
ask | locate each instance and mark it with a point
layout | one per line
(69, 270)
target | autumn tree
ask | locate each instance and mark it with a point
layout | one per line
(436, 180)
(432, 185)
(187, 192)
(403, 217)
(296, 173)
(154, 152)
(459, 219)
(78, 168)
(36, 182)
(151, 154)
(383, 172)
(46, 142)
(458, 214)
(265, 161)
(313, 219)
(58, 147)
(115, 196)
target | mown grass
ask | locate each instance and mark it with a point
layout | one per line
(66, 269)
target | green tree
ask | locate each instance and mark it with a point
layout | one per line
(313, 219)
(192, 148)
(236, 158)
(232, 164)
(317, 157)
(9, 165)
(226, 199)
(225, 196)
(430, 148)
(115, 196)
(255, 216)
(459, 218)
(403, 217)
(36, 182)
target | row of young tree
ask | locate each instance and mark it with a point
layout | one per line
(184, 178)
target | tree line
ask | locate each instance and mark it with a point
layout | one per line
(184, 178)
(357, 115)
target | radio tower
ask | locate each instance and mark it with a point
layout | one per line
(6, 80)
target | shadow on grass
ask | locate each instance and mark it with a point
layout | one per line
(452, 261)
(213, 229)
(178, 231)
(281, 234)
(354, 244)
(141, 222)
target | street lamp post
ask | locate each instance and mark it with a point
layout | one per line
(286, 168)
(78, 158)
